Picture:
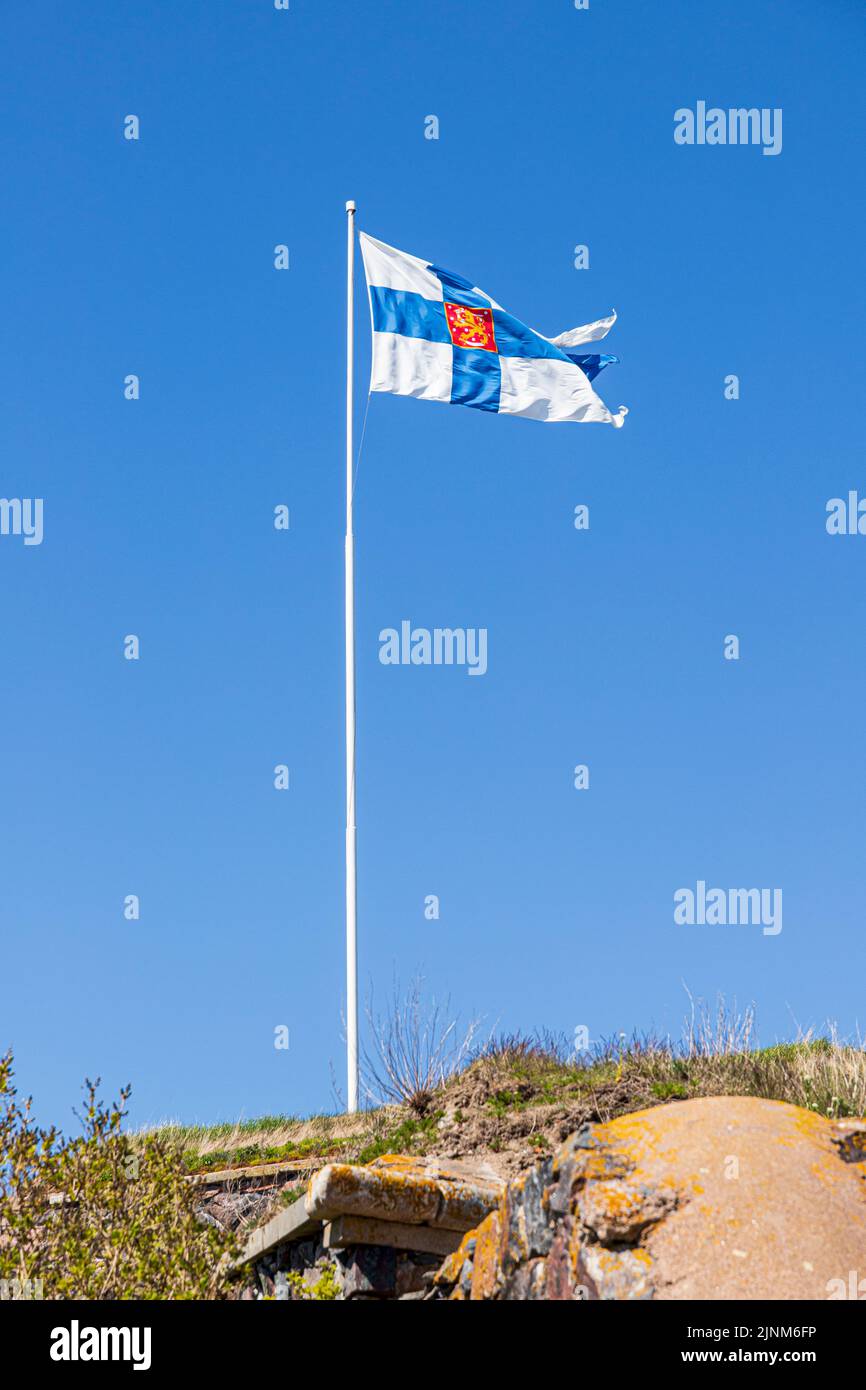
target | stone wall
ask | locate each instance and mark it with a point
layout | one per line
(563, 1231)
(305, 1270)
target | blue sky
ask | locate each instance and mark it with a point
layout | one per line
(707, 517)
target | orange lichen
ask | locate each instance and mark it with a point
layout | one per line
(449, 1271)
(485, 1266)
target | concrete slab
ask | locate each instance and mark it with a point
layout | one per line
(299, 1167)
(364, 1230)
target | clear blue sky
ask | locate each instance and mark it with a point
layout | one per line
(605, 647)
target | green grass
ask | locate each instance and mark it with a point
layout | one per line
(262, 1153)
(670, 1090)
(411, 1136)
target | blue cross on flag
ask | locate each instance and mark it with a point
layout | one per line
(438, 337)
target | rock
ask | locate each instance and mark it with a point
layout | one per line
(231, 1209)
(616, 1212)
(615, 1274)
(717, 1198)
(205, 1217)
(368, 1271)
(414, 1275)
(411, 1191)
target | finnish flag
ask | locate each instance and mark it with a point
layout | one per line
(438, 337)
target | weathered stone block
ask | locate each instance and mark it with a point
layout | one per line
(344, 1231)
(401, 1189)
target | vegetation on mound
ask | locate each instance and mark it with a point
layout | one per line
(518, 1096)
(525, 1094)
(520, 1075)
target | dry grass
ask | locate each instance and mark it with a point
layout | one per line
(269, 1140)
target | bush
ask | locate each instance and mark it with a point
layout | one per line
(103, 1216)
(415, 1049)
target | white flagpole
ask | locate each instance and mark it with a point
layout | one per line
(351, 852)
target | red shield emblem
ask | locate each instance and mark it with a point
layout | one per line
(470, 328)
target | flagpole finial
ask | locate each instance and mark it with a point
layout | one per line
(350, 205)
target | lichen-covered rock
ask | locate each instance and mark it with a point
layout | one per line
(408, 1190)
(617, 1211)
(717, 1198)
(616, 1274)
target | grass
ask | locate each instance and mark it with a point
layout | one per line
(226, 1130)
(272, 1139)
(523, 1094)
(406, 1137)
(818, 1074)
(251, 1154)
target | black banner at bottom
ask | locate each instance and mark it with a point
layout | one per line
(84, 1339)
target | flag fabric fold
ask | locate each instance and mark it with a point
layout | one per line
(589, 333)
(438, 337)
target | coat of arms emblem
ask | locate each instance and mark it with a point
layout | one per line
(470, 327)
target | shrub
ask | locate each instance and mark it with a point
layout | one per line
(101, 1216)
(414, 1049)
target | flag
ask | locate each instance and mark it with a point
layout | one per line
(438, 337)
